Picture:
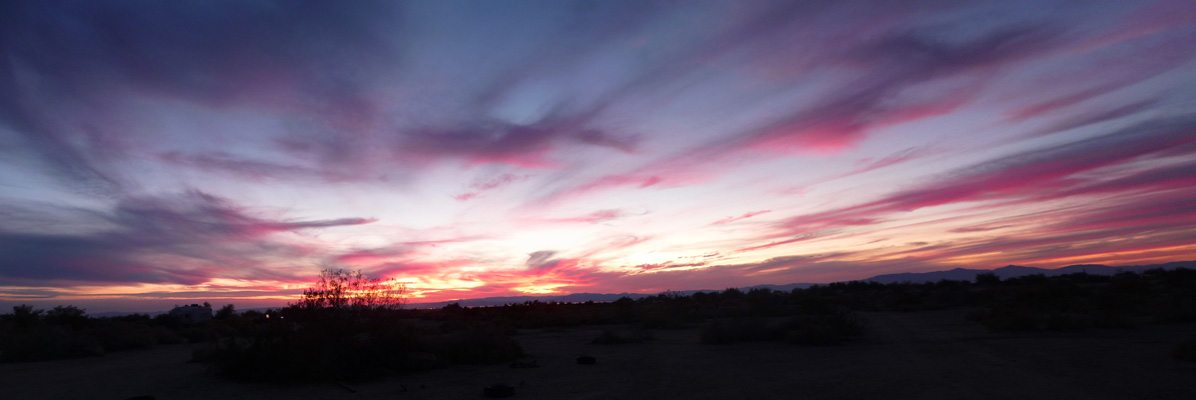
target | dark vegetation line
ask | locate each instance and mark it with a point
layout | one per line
(334, 333)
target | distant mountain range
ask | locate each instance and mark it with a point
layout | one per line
(583, 297)
(1013, 271)
(958, 274)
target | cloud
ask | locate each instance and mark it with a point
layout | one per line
(31, 294)
(218, 53)
(405, 258)
(897, 63)
(1159, 210)
(1020, 175)
(870, 164)
(668, 265)
(545, 272)
(970, 229)
(478, 187)
(741, 217)
(1105, 72)
(904, 72)
(1098, 116)
(1112, 230)
(1103, 233)
(496, 142)
(121, 103)
(293, 58)
(541, 259)
(185, 239)
(199, 216)
(1160, 16)
(252, 169)
(595, 217)
(371, 257)
(795, 239)
(39, 259)
(1047, 106)
(406, 269)
(1169, 177)
(813, 268)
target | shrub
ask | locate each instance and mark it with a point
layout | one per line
(338, 289)
(482, 346)
(822, 330)
(120, 336)
(335, 344)
(616, 337)
(49, 343)
(811, 330)
(660, 318)
(736, 330)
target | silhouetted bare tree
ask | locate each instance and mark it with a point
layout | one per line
(341, 289)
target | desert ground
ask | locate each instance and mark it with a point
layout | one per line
(919, 355)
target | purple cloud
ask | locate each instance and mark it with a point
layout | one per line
(1015, 176)
(194, 226)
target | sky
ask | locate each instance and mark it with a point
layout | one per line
(156, 153)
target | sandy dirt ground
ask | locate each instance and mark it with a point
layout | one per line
(924, 355)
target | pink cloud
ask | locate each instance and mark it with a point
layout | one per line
(188, 239)
(740, 218)
(406, 269)
(1044, 107)
(668, 265)
(366, 257)
(801, 238)
(253, 169)
(595, 217)
(1111, 71)
(1014, 176)
(525, 146)
(1158, 17)
(662, 174)
(985, 228)
(477, 188)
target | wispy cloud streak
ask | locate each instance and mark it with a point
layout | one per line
(158, 149)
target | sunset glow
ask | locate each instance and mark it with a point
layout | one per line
(157, 153)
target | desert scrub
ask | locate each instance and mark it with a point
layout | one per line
(49, 343)
(808, 330)
(737, 330)
(611, 336)
(822, 330)
(480, 346)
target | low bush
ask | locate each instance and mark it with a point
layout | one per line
(728, 331)
(822, 330)
(476, 347)
(49, 343)
(328, 346)
(611, 336)
(809, 330)
(120, 336)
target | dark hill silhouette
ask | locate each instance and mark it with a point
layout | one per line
(957, 274)
(584, 297)
(1014, 271)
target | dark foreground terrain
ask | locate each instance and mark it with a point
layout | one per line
(902, 355)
